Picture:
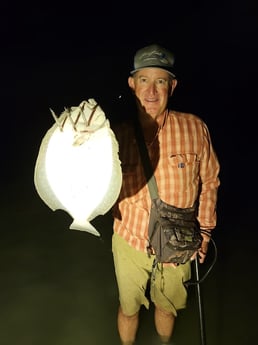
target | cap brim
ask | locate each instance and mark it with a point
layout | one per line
(164, 69)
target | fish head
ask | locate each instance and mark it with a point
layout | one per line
(91, 116)
(85, 120)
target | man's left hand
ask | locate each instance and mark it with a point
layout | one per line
(202, 252)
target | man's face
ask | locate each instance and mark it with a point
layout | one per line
(152, 86)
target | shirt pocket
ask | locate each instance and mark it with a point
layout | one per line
(188, 161)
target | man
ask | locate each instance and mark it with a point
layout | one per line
(186, 169)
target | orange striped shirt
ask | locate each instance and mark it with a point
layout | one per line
(186, 168)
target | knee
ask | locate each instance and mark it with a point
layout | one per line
(124, 315)
(164, 313)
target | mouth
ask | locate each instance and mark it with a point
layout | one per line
(151, 100)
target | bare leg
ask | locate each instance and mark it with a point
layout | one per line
(127, 327)
(164, 323)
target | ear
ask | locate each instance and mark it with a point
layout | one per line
(131, 82)
(173, 86)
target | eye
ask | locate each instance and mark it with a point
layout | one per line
(143, 80)
(161, 81)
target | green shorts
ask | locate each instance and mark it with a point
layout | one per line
(133, 271)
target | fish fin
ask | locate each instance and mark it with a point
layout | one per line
(85, 226)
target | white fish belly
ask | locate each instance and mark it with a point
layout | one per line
(83, 180)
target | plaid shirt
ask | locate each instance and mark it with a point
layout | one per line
(186, 169)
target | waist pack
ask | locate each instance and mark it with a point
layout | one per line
(174, 232)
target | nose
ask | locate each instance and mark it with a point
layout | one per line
(152, 88)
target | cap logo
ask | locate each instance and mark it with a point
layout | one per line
(157, 56)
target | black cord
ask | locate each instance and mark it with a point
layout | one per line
(188, 283)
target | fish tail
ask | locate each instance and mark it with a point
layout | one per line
(84, 226)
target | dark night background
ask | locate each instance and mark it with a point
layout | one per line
(54, 55)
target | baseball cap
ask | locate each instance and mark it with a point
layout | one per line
(154, 56)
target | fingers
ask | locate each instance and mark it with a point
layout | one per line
(202, 255)
(202, 252)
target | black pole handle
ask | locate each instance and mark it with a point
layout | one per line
(200, 303)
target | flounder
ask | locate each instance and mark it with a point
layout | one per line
(78, 168)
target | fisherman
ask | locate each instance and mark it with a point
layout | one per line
(186, 170)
